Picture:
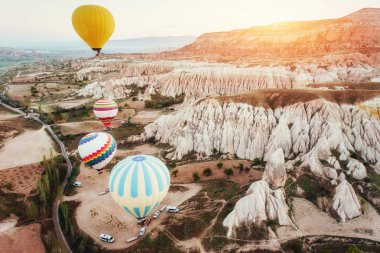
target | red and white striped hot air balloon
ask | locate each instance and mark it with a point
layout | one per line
(105, 110)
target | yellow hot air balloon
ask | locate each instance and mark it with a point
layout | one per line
(94, 24)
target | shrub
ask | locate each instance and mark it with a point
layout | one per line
(207, 172)
(247, 169)
(229, 172)
(196, 176)
(8, 186)
(219, 165)
(151, 139)
(172, 165)
(174, 173)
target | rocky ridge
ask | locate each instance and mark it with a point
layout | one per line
(357, 32)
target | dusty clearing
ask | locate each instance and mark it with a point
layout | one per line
(23, 179)
(146, 149)
(8, 223)
(100, 214)
(84, 127)
(22, 239)
(6, 114)
(26, 148)
(185, 172)
(68, 104)
(364, 226)
(19, 91)
(146, 117)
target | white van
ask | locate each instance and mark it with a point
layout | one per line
(106, 238)
(142, 231)
(172, 209)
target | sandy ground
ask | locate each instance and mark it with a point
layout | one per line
(18, 91)
(23, 179)
(146, 149)
(8, 223)
(6, 114)
(84, 127)
(22, 239)
(26, 148)
(146, 117)
(100, 214)
(321, 223)
(125, 114)
(185, 172)
(68, 104)
(137, 105)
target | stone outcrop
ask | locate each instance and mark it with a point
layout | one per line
(114, 79)
(346, 203)
(260, 204)
(359, 31)
(275, 173)
(307, 130)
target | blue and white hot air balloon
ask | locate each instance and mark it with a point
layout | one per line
(139, 183)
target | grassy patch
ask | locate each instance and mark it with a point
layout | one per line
(162, 243)
(220, 189)
(313, 187)
(159, 101)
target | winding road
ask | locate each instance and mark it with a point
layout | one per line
(57, 201)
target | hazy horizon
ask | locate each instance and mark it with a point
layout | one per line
(47, 21)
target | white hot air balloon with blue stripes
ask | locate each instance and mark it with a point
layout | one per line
(139, 183)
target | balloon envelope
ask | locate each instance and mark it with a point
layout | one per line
(94, 24)
(105, 110)
(139, 183)
(97, 149)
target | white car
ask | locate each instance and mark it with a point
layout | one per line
(77, 184)
(172, 209)
(106, 238)
(156, 214)
(142, 231)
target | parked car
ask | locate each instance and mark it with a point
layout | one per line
(156, 214)
(77, 184)
(172, 209)
(106, 238)
(142, 231)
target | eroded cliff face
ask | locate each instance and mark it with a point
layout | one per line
(304, 131)
(114, 78)
(261, 203)
(357, 32)
(345, 202)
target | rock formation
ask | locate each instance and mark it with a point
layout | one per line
(260, 204)
(114, 78)
(307, 130)
(359, 31)
(275, 173)
(346, 203)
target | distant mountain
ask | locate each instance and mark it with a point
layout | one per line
(149, 44)
(357, 32)
(79, 48)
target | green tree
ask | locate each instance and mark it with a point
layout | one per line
(207, 172)
(175, 173)
(196, 176)
(229, 172)
(219, 165)
(32, 211)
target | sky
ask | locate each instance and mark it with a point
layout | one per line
(50, 20)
